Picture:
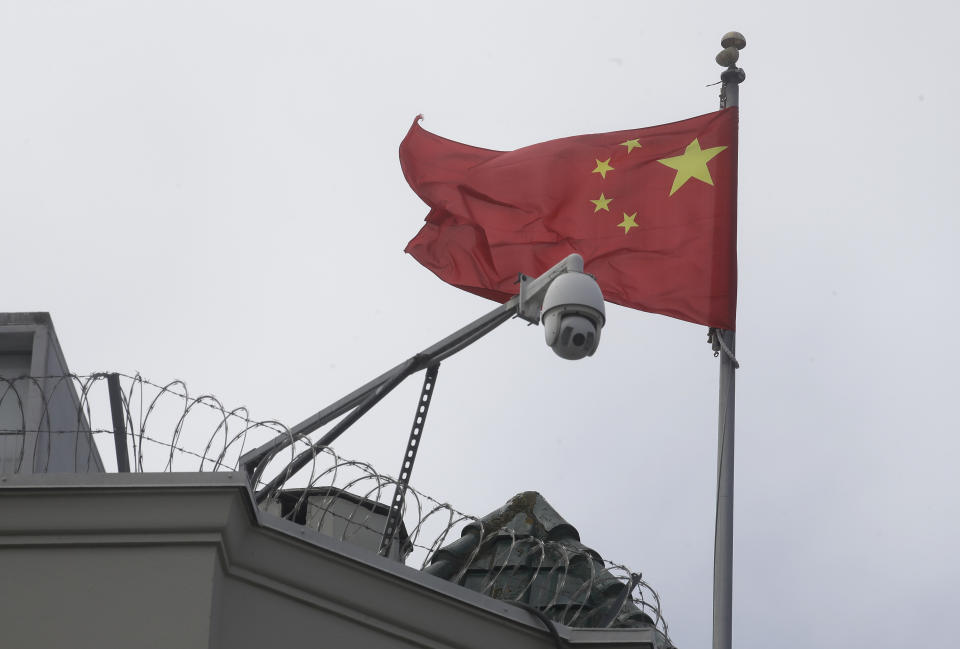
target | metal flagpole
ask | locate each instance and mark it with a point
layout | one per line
(724, 341)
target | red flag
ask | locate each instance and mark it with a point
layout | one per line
(651, 210)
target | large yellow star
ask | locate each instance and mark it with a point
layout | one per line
(692, 164)
(629, 221)
(631, 145)
(601, 203)
(602, 168)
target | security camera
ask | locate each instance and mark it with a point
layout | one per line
(573, 315)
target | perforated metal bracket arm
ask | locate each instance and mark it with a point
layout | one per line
(409, 457)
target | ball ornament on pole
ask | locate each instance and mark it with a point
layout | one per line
(728, 57)
(733, 39)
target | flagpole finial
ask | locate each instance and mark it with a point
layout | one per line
(732, 43)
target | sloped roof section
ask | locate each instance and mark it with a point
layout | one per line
(526, 552)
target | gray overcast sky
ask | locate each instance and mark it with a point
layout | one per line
(211, 192)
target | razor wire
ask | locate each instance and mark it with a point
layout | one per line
(170, 430)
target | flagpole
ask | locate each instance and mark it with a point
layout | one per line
(725, 343)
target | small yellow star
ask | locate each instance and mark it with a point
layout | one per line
(602, 168)
(631, 145)
(629, 221)
(601, 203)
(692, 164)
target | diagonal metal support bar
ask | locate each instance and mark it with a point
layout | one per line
(256, 460)
(409, 457)
(308, 455)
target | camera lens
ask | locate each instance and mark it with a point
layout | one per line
(579, 339)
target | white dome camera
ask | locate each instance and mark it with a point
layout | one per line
(573, 315)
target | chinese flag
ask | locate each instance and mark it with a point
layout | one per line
(651, 210)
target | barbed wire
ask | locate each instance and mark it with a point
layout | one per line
(54, 422)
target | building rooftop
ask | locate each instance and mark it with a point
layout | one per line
(126, 512)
